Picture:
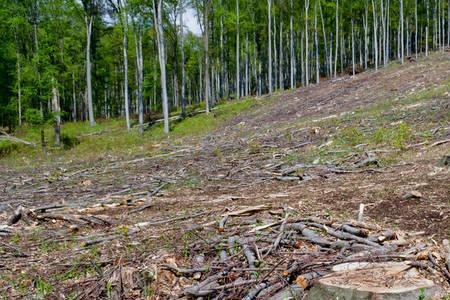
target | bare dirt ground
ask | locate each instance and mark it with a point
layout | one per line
(83, 216)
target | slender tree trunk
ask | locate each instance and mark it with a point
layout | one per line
(183, 71)
(388, 22)
(269, 26)
(222, 79)
(383, 25)
(19, 90)
(57, 111)
(139, 74)
(157, 13)
(353, 49)
(402, 46)
(88, 21)
(448, 23)
(416, 45)
(238, 85)
(280, 68)
(327, 65)
(407, 37)
(306, 43)
(125, 70)
(247, 80)
(291, 44)
(74, 98)
(302, 59)
(366, 36)
(316, 41)
(439, 24)
(375, 38)
(206, 49)
(337, 39)
(275, 53)
(427, 28)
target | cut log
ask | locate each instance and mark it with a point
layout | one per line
(248, 211)
(446, 245)
(291, 292)
(378, 281)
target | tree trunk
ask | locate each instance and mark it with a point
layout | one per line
(291, 44)
(280, 65)
(316, 40)
(157, 13)
(125, 70)
(269, 26)
(427, 28)
(306, 43)
(375, 38)
(206, 49)
(402, 45)
(19, 90)
(139, 73)
(183, 71)
(57, 112)
(353, 49)
(366, 36)
(88, 22)
(327, 65)
(246, 66)
(238, 85)
(275, 54)
(337, 39)
(74, 98)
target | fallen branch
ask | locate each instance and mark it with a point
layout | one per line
(13, 139)
(438, 143)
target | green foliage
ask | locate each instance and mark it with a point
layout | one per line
(43, 288)
(6, 148)
(397, 136)
(33, 116)
(69, 141)
(351, 135)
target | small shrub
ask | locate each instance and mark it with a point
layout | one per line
(397, 137)
(6, 148)
(352, 136)
(69, 141)
(401, 135)
(43, 288)
(380, 136)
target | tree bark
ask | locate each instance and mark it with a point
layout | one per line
(402, 45)
(88, 22)
(375, 38)
(238, 85)
(291, 44)
(19, 90)
(57, 112)
(125, 69)
(269, 74)
(183, 71)
(306, 44)
(337, 39)
(316, 40)
(157, 13)
(280, 67)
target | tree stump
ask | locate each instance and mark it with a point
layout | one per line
(373, 281)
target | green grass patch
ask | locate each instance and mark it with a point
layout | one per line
(110, 137)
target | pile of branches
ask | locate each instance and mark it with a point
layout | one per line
(259, 253)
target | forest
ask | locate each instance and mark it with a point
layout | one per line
(69, 60)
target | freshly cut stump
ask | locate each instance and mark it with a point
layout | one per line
(373, 281)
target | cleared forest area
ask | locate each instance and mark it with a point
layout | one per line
(138, 225)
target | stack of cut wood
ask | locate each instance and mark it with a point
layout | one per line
(261, 253)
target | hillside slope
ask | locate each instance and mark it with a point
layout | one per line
(381, 139)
